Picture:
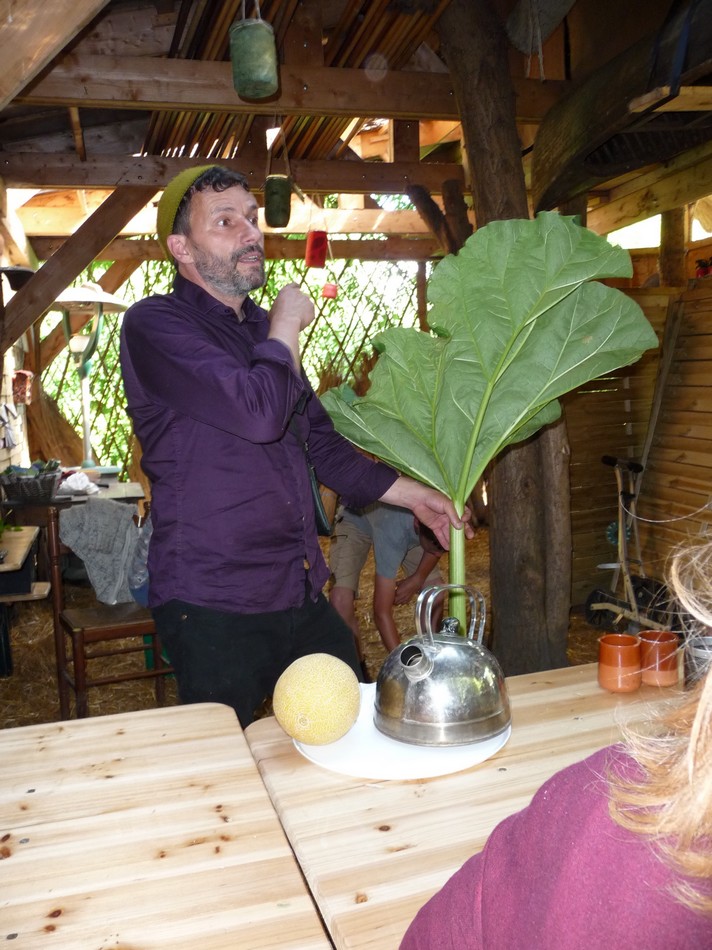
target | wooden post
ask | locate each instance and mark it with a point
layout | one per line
(530, 541)
(672, 248)
(421, 287)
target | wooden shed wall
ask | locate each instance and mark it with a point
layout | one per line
(608, 416)
(677, 483)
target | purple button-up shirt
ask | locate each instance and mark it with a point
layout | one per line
(211, 399)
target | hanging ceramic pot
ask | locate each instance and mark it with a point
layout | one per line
(330, 290)
(317, 246)
(253, 54)
(278, 200)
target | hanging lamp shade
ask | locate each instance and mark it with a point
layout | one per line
(253, 54)
(90, 297)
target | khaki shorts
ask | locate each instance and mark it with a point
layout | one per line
(348, 553)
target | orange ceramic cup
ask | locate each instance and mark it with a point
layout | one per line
(659, 657)
(619, 662)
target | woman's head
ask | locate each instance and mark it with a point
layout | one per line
(672, 802)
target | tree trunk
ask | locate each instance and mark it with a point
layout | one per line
(528, 492)
(49, 435)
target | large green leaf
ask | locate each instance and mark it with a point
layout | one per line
(519, 320)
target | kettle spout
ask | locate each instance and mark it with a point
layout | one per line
(417, 661)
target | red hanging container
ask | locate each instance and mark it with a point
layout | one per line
(317, 246)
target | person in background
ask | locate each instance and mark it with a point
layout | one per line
(399, 541)
(614, 851)
(222, 409)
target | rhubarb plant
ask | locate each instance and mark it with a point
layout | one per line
(518, 318)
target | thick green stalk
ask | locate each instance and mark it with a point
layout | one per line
(457, 603)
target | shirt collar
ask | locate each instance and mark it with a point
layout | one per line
(198, 297)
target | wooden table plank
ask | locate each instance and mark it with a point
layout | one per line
(17, 542)
(374, 851)
(148, 829)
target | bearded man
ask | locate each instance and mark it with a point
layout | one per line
(223, 411)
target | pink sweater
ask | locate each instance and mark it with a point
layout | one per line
(561, 875)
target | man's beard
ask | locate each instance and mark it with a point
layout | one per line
(221, 272)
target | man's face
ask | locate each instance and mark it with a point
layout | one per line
(225, 242)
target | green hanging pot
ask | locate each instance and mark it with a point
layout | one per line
(254, 58)
(278, 200)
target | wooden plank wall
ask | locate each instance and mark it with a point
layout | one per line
(608, 416)
(677, 484)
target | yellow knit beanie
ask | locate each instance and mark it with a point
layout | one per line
(171, 198)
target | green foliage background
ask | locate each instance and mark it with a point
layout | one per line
(372, 297)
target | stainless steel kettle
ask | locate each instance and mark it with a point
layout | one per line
(442, 689)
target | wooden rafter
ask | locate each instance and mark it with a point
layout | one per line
(70, 260)
(32, 34)
(135, 82)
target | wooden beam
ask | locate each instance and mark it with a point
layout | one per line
(679, 182)
(672, 248)
(38, 294)
(432, 215)
(404, 141)
(688, 99)
(77, 133)
(33, 34)
(141, 82)
(277, 247)
(598, 109)
(13, 239)
(39, 221)
(62, 170)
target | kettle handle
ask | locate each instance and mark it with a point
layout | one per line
(426, 603)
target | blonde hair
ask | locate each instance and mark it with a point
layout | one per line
(672, 803)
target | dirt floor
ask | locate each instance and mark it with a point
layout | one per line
(29, 696)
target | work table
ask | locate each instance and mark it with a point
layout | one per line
(144, 830)
(374, 851)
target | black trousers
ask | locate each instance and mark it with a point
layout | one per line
(236, 659)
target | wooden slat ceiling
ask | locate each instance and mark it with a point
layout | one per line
(363, 31)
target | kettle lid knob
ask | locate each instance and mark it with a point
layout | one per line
(451, 627)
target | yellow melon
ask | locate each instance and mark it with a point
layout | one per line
(317, 699)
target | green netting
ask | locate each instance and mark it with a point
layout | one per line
(371, 297)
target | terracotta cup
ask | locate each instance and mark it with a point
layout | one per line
(659, 651)
(619, 662)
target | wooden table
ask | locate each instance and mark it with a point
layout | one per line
(18, 543)
(34, 512)
(114, 490)
(374, 851)
(144, 830)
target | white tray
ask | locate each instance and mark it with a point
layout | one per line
(364, 752)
